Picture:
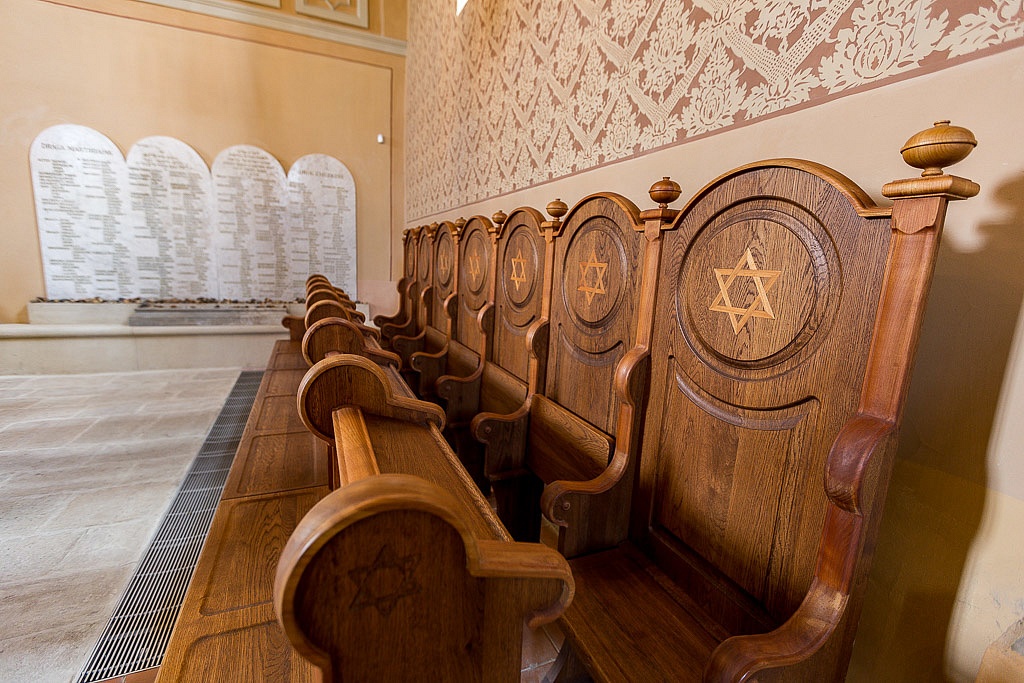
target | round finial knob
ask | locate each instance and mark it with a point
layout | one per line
(557, 209)
(435, 226)
(937, 147)
(460, 222)
(499, 217)
(665, 191)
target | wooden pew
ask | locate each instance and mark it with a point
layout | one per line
(499, 385)
(474, 587)
(319, 288)
(419, 295)
(405, 571)
(438, 310)
(466, 345)
(407, 291)
(603, 260)
(788, 312)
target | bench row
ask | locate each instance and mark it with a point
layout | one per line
(701, 403)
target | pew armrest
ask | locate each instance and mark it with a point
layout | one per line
(295, 325)
(461, 394)
(405, 346)
(504, 439)
(430, 366)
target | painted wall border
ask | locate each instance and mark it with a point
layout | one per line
(306, 27)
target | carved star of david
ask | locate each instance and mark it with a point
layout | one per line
(518, 269)
(442, 263)
(474, 267)
(382, 584)
(599, 269)
(760, 307)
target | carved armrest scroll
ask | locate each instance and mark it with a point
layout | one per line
(350, 380)
(504, 438)
(461, 394)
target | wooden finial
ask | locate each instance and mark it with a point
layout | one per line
(931, 150)
(499, 217)
(665, 191)
(557, 209)
(460, 223)
(937, 147)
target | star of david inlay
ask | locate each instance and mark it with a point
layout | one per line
(442, 263)
(382, 584)
(518, 275)
(760, 307)
(599, 269)
(474, 267)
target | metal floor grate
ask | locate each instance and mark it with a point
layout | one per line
(136, 636)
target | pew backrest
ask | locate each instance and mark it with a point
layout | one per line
(519, 289)
(593, 305)
(475, 283)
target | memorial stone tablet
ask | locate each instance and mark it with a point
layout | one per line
(80, 181)
(250, 202)
(162, 226)
(170, 219)
(322, 211)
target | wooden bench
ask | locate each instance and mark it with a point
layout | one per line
(405, 569)
(466, 344)
(499, 384)
(561, 440)
(465, 586)
(787, 316)
(438, 307)
(404, 319)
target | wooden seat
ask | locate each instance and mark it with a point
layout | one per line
(408, 292)
(421, 291)
(466, 345)
(440, 309)
(499, 384)
(788, 311)
(561, 440)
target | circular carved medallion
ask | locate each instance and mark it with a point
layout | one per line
(756, 284)
(477, 263)
(445, 261)
(519, 269)
(592, 273)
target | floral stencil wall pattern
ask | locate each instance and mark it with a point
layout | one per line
(517, 92)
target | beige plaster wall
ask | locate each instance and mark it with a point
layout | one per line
(949, 572)
(130, 70)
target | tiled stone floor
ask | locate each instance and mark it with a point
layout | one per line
(88, 464)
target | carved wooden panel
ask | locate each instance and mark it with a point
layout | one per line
(282, 382)
(409, 255)
(277, 462)
(475, 280)
(245, 543)
(257, 652)
(768, 290)
(424, 275)
(444, 275)
(593, 305)
(278, 413)
(423, 582)
(517, 295)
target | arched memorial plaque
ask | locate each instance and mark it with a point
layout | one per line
(80, 181)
